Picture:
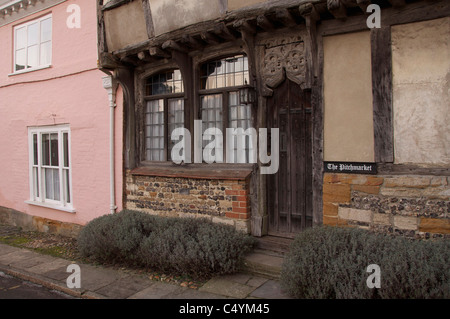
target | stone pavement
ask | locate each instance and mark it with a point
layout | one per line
(106, 283)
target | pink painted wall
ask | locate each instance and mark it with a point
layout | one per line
(70, 92)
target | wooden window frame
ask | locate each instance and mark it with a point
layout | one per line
(39, 44)
(37, 197)
(165, 98)
(225, 92)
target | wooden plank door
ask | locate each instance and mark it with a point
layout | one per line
(290, 189)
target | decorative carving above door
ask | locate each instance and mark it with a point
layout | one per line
(283, 57)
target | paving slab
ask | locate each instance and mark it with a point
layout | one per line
(60, 273)
(157, 290)
(125, 287)
(16, 256)
(49, 265)
(32, 261)
(104, 282)
(6, 249)
(93, 278)
(227, 288)
(188, 293)
(241, 278)
(270, 290)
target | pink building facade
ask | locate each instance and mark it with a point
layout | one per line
(60, 119)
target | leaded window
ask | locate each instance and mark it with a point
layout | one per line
(221, 105)
(164, 111)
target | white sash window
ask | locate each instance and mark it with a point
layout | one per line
(50, 167)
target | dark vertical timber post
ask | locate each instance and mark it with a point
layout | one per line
(125, 77)
(315, 80)
(380, 39)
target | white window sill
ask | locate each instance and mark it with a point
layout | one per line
(51, 206)
(30, 70)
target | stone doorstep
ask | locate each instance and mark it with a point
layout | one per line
(264, 264)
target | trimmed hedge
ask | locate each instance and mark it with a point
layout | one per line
(331, 262)
(191, 246)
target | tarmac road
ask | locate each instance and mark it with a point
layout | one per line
(13, 288)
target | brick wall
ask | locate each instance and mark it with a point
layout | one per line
(225, 201)
(413, 206)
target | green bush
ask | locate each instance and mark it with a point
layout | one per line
(189, 246)
(331, 262)
(115, 238)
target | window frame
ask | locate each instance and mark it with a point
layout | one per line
(36, 170)
(191, 79)
(225, 92)
(165, 97)
(39, 44)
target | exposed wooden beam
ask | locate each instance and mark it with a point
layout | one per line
(108, 61)
(311, 16)
(363, 4)
(141, 55)
(158, 52)
(263, 22)
(224, 32)
(131, 60)
(285, 17)
(209, 37)
(243, 25)
(145, 56)
(382, 94)
(397, 3)
(337, 9)
(148, 18)
(309, 10)
(172, 45)
(191, 42)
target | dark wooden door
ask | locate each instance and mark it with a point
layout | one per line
(290, 189)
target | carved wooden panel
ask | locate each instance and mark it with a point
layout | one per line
(283, 57)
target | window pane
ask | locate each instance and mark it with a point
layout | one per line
(56, 184)
(66, 149)
(33, 34)
(175, 120)
(54, 150)
(164, 83)
(35, 182)
(21, 59)
(35, 150)
(46, 53)
(240, 117)
(155, 130)
(21, 38)
(239, 79)
(45, 149)
(33, 56)
(49, 188)
(211, 113)
(224, 73)
(51, 183)
(46, 30)
(239, 64)
(67, 185)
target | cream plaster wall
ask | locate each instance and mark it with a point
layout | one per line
(125, 25)
(238, 4)
(348, 119)
(170, 15)
(421, 86)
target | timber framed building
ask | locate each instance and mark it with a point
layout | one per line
(362, 112)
